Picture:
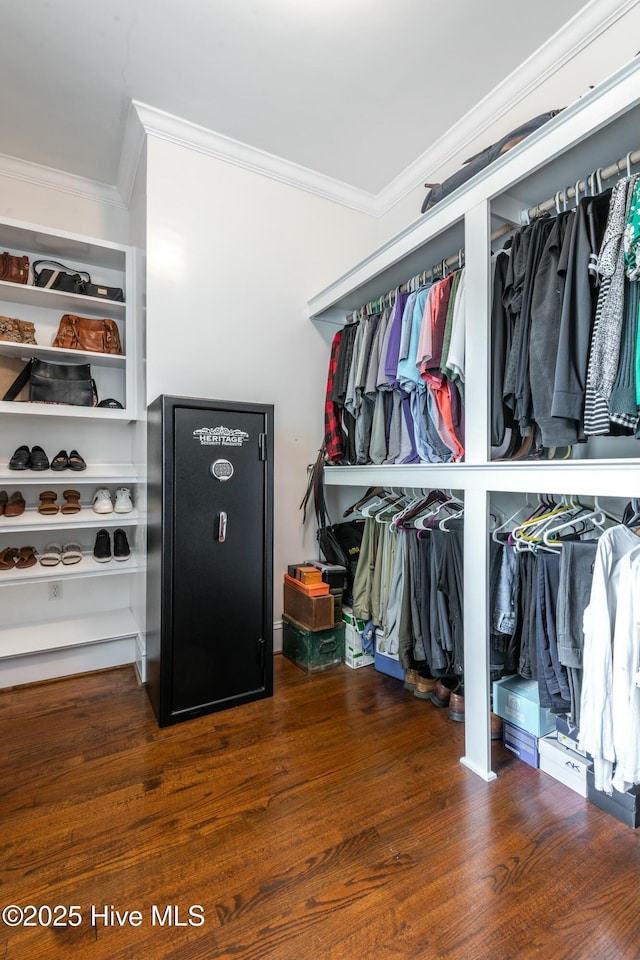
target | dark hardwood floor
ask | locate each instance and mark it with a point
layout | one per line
(333, 821)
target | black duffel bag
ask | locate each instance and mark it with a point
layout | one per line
(438, 191)
(71, 280)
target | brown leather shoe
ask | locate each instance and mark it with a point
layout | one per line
(410, 679)
(456, 706)
(15, 505)
(424, 687)
(442, 691)
(496, 727)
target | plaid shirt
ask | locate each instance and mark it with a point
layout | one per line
(332, 416)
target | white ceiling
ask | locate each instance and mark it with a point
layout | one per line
(352, 89)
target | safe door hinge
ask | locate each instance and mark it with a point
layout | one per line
(262, 442)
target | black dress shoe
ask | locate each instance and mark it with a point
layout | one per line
(38, 459)
(60, 461)
(76, 462)
(20, 459)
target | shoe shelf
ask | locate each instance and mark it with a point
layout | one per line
(72, 632)
(32, 521)
(87, 567)
(100, 474)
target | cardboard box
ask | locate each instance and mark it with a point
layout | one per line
(386, 662)
(520, 742)
(563, 764)
(623, 806)
(312, 650)
(313, 613)
(516, 700)
(354, 655)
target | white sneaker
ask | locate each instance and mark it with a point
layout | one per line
(102, 502)
(123, 502)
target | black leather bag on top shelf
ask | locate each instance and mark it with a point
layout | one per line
(72, 281)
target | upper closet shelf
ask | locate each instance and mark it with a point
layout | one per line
(60, 300)
(584, 136)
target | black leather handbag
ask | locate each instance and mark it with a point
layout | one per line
(72, 281)
(65, 383)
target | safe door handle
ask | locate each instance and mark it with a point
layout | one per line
(222, 527)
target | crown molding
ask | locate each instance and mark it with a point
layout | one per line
(585, 27)
(156, 123)
(51, 178)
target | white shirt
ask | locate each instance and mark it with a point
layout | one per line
(596, 701)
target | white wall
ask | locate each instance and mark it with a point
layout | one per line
(233, 258)
(64, 209)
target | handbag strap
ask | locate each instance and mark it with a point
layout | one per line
(19, 382)
(315, 486)
(83, 274)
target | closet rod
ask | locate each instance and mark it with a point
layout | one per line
(374, 306)
(603, 173)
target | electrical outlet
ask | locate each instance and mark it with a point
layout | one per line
(55, 590)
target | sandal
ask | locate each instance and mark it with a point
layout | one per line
(73, 501)
(60, 461)
(48, 505)
(76, 462)
(71, 553)
(8, 558)
(51, 555)
(25, 557)
(15, 505)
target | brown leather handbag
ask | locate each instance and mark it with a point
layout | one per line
(14, 269)
(84, 333)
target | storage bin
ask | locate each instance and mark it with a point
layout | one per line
(517, 700)
(312, 650)
(313, 613)
(623, 806)
(520, 742)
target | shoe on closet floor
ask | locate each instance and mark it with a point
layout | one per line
(123, 502)
(410, 679)
(424, 685)
(102, 547)
(121, 549)
(102, 502)
(442, 691)
(455, 710)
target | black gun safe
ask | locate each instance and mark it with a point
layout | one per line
(209, 643)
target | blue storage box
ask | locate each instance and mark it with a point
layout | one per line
(388, 663)
(517, 701)
(520, 742)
